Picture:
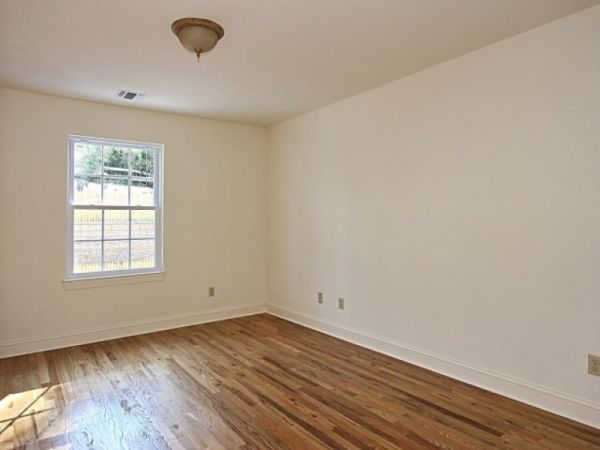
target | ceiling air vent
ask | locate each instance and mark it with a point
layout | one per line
(128, 95)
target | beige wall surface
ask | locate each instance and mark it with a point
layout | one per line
(214, 214)
(457, 211)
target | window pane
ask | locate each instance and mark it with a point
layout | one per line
(87, 158)
(142, 162)
(86, 190)
(116, 255)
(116, 160)
(142, 193)
(87, 224)
(143, 224)
(116, 191)
(116, 224)
(87, 257)
(108, 178)
(142, 254)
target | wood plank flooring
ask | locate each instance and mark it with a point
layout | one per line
(256, 382)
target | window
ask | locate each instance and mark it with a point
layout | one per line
(114, 208)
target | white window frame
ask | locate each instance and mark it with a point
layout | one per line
(158, 201)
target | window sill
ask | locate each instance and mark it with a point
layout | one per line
(114, 280)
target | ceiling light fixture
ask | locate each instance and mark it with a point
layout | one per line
(197, 35)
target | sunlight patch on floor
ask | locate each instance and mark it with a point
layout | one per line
(13, 405)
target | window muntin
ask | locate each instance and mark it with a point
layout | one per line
(114, 208)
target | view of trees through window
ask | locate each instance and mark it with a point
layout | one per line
(114, 207)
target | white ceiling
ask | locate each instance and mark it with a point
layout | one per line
(279, 58)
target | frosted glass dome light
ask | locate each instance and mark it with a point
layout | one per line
(197, 35)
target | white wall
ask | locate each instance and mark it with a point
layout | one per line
(214, 223)
(457, 211)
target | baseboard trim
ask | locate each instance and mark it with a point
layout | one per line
(39, 344)
(565, 405)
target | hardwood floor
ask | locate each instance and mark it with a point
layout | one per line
(256, 382)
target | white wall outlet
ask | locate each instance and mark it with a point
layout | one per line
(594, 365)
(340, 303)
(211, 291)
(319, 297)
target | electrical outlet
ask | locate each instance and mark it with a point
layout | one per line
(594, 365)
(340, 303)
(211, 291)
(320, 297)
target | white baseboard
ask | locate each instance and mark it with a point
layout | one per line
(563, 404)
(38, 344)
(578, 409)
